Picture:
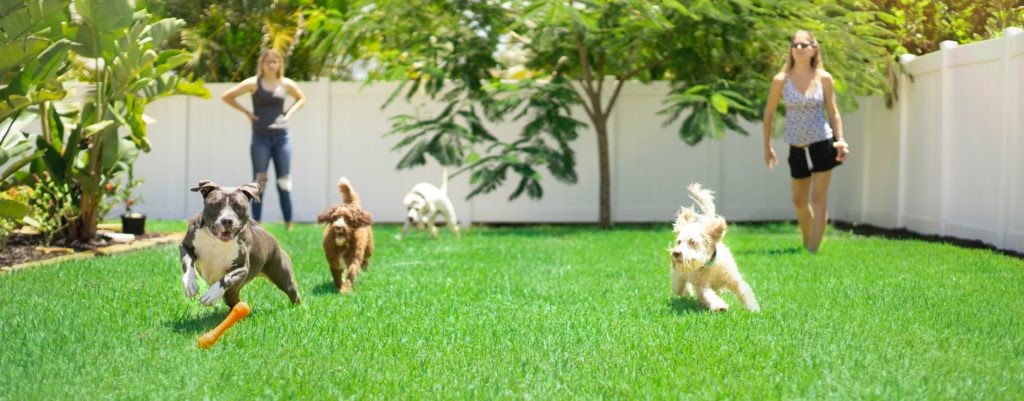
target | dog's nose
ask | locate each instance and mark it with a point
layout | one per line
(226, 222)
(676, 254)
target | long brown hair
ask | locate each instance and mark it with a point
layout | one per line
(817, 63)
(263, 56)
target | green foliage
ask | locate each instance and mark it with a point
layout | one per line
(12, 209)
(32, 53)
(48, 206)
(123, 59)
(118, 54)
(921, 25)
(226, 37)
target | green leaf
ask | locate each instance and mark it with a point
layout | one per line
(163, 29)
(13, 168)
(118, 154)
(105, 15)
(93, 129)
(196, 89)
(14, 151)
(52, 160)
(720, 103)
(14, 53)
(30, 221)
(90, 184)
(12, 209)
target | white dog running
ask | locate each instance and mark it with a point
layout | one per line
(424, 203)
(702, 265)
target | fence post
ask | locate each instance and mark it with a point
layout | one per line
(327, 147)
(1011, 104)
(865, 172)
(946, 126)
(188, 159)
(904, 104)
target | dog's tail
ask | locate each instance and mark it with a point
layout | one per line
(705, 198)
(348, 194)
(444, 180)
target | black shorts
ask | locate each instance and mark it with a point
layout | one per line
(822, 158)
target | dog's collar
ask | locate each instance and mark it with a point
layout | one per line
(713, 256)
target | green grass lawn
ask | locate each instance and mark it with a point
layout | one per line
(530, 313)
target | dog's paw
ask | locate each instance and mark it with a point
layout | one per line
(188, 281)
(212, 295)
(346, 288)
(722, 307)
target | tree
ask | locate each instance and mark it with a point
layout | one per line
(719, 56)
(225, 37)
(921, 25)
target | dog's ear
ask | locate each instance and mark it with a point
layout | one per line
(205, 187)
(408, 200)
(357, 217)
(686, 216)
(327, 216)
(716, 228)
(251, 190)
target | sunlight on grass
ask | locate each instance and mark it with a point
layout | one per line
(530, 312)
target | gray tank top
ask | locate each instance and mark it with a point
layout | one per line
(269, 108)
(805, 115)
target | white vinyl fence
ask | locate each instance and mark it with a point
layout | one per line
(943, 161)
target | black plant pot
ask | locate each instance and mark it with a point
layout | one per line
(133, 223)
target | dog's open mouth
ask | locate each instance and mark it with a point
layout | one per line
(224, 235)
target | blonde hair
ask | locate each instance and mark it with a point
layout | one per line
(816, 62)
(263, 56)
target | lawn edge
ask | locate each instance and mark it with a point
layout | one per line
(100, 251)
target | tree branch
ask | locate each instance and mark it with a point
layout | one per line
(637, 71)
(590, 113)
(615, 95)
(588, 77)
(587, 80)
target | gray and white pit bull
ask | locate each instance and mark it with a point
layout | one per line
(228, 250)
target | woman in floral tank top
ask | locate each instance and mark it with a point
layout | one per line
(816, 145)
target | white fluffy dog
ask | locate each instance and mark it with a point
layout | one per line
(702, 264)
(424, 203)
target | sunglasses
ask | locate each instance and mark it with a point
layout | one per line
(801, 45)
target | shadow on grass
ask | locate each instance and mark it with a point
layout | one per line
(325, 288)
(197, 324)
(685, 306)
(773, 252)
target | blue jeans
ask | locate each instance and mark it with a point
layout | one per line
(279, 148)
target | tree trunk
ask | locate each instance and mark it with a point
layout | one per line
(605, 208)
(87, 218)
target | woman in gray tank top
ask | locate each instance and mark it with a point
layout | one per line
(270, 138)
(816, 146)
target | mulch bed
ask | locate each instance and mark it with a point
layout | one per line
(21, 248)
(902, 233)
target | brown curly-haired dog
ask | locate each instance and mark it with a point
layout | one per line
(348, 237)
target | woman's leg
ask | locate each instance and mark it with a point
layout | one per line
(282, 154)
(801, 188)
(819, 208)
(260, 153)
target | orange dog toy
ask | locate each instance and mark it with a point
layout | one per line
(240, 311)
